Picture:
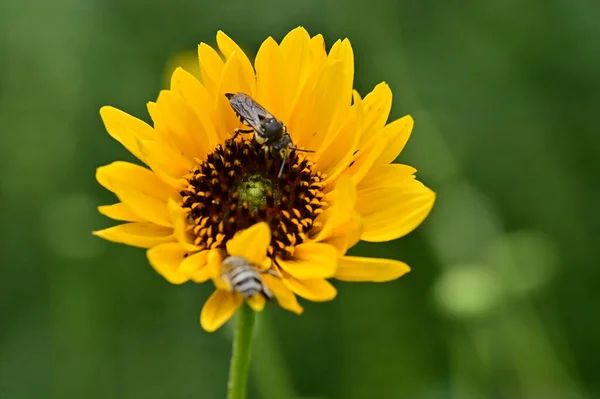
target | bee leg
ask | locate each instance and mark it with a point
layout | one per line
(272, 272)
(283, 161)
(268, 295)
(238, 131)
(281, 168)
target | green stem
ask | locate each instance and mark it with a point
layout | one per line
(240, 359)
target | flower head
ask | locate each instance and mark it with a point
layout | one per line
(206, 195)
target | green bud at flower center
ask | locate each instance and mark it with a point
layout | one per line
(254, 189)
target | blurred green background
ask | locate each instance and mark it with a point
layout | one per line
(501, 299)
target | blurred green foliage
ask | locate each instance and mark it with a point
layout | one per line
(501, 299)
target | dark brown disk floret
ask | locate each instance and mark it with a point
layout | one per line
(237, 186)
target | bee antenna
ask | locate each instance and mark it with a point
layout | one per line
(301, 150)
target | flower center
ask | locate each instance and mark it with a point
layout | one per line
(254, 188)
(237, 186)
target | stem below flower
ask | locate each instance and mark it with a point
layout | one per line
(240, 359)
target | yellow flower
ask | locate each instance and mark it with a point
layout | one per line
(202, 187)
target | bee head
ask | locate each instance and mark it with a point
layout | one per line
(272, 128)
(283, 146)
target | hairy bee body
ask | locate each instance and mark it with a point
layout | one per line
(268, 131)
(242, 277)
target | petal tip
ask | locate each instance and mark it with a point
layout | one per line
(298, 310)
(105, 109)
(207, 326)
(409, 122)
(178, 70)
(300, 29)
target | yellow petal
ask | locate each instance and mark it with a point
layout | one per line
(396, 135)
(143, 235)
(342, 50)
(318, 50)
(337, 152)
(346, 235)
(392, 212)
(333, 93)
(165, 131)
(204, 274)
(230, 49)
(167, 162)
(120, 211)
(154, 114)
(311, 260)
(270, 79)
(387, 175)
(344, 192)
(296, 52)
(218, 309)
(215, 257)
(265, 265)
(301, 128)
(352, 268)
(317, 290)
(197, 267)
(377, 105)
(179, 219)
(343, 202)
(232, 81)
(140, 189)
(257, 302)
(215, 261)
(198, 99)
(366, 158)
(183, 125)
(165, 259)
(251, 243)
(285, 297)
(211, 67)
(193, 262)
(126, 129)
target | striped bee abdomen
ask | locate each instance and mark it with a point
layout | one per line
(246, 281)
(244, 278)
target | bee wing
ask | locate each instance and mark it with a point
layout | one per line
(248, 110)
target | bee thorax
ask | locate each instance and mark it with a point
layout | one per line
(273, 128)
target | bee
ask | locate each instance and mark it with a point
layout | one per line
(242, 277)
(268, 130)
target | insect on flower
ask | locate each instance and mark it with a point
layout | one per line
(242, 277)
(268, 130)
